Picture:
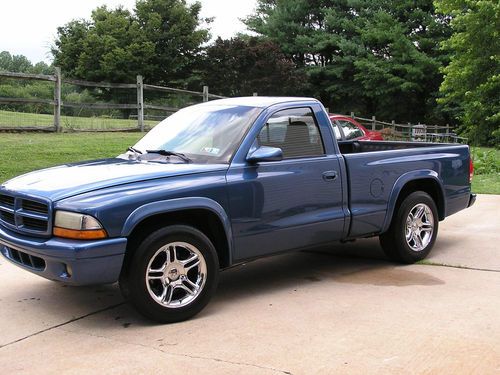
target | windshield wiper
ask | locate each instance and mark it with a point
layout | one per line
(170, 153)
(134, 150)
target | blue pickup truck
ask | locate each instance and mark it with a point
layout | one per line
(218, 184)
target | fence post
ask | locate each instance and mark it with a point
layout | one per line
(373, 122)
(205, 93)
(393, 126)
(57, 99)
(140, 103)
(255, 94)
(447, 133)
(352, 114)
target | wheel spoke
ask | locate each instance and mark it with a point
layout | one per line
(418, 241)
(171, 254)
(167, 294)
(409, 234)
(192, 262)
(189, 260)
(156, 273)
(420, 212)
(157, 277)
(192, 285)
(188, 289)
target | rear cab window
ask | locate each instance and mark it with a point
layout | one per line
(295, 131)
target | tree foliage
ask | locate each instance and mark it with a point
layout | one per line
(471, 87)
(380, 57)
(160, 40)
(21, 64)
(243, 65)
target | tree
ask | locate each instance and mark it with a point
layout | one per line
(244, 65)
(377, 57)
(175, 31)
(161, 40)
(471, 86)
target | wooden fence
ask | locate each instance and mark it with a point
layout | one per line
(140, 106)
(410, 132)
(140, 120)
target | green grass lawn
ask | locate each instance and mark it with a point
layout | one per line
(20, 119)
(21, 153)
(486, 184)
(486, 178)
(25, 152)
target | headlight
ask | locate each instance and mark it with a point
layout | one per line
(77, 226)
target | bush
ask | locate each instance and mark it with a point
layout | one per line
(485, 161)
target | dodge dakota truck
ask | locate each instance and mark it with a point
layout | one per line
(221, 183)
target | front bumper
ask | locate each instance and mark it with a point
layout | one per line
(472, 200)
(70, 261)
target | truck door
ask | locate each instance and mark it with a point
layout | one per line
(287, 204)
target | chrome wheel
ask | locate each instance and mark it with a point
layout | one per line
(176, 274)
(419, 227)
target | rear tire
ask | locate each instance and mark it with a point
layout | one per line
(172, 275)
(413, 229)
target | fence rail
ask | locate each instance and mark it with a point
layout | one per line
(40, 77)
(109, 85)
(25, 101)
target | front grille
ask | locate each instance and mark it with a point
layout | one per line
(34, 224)
(8, 217)
(26, 215)
(7, 200)
(24, 259)
(33, 206)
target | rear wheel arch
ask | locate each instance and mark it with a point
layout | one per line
(405, 186)
(414, 229)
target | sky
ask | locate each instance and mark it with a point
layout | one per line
(29, 27)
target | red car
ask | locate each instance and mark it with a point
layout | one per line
(347, 129)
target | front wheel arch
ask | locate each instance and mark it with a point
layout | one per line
(205, 220)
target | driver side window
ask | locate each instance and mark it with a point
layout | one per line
(295, 131)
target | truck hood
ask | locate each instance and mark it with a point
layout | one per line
(72, 179)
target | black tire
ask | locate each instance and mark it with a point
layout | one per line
(146, 295)
(394, 242)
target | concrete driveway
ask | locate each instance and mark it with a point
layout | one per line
(344, 310)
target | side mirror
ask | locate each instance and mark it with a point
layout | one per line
(264, 153)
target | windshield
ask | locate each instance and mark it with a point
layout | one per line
(205, 133)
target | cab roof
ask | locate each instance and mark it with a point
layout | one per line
(258, 101)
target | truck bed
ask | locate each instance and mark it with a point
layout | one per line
(376, 174)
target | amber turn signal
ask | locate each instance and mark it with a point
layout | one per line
(94, 234)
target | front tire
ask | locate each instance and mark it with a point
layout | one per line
(172, 275)
(413, 229)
